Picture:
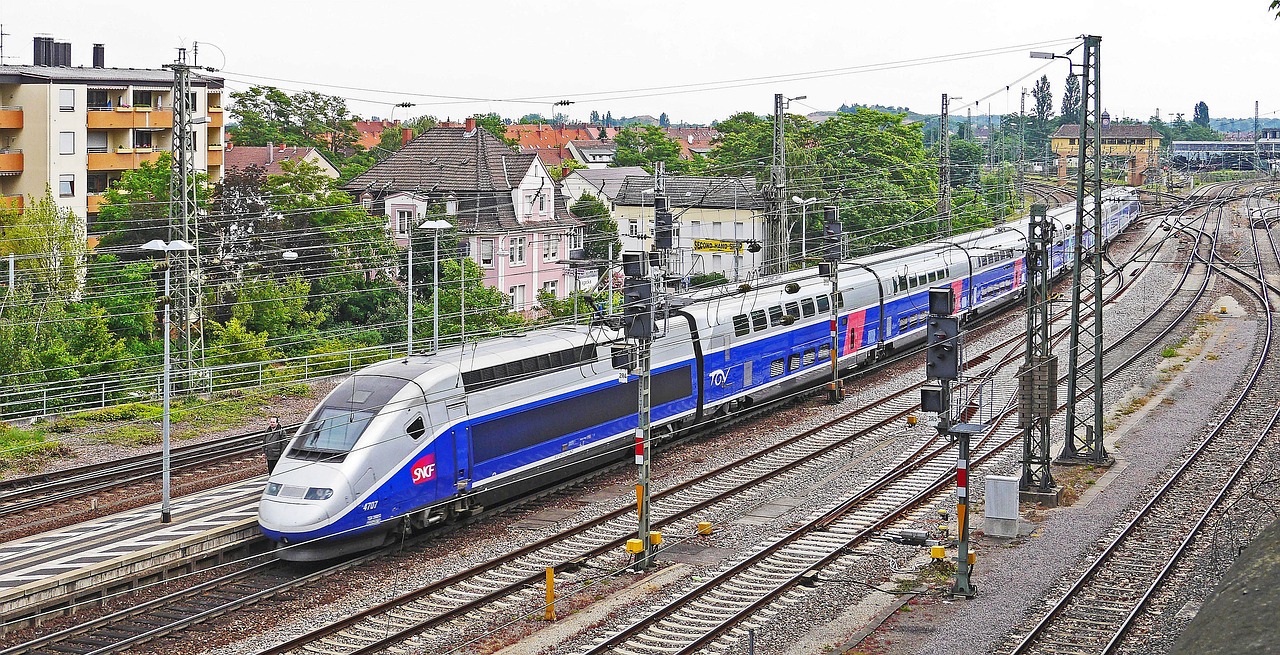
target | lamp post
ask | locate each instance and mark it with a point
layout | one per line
(177, 245)
(804, 226)
(435, 226)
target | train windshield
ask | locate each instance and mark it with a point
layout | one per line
(346, 412)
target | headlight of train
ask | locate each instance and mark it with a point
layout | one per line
(273, 488)
(318, 493)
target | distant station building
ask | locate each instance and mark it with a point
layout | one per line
(1136, 148)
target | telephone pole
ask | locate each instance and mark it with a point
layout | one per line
(777, 246)
(944, 171)
(184, 224)
(1084, 442)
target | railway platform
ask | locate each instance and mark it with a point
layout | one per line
(56, 571)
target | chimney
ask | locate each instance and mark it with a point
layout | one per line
(43, 51)
(62, 54)
(271, 152)
(99, 56)
(471, 124)
(406, 135)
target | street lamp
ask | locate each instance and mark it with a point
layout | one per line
(435, 226)
(177, 245)
(804, 226)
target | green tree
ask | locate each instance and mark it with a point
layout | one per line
(1041, 117)
(276, 308)
(135, 208)
(265, 114)
(601, 230)
(127, 294)
(48, 244)
(531, 119)
(967, 158)
(1201, 116)
(1071, 101)
(496, 126)
(646, 145)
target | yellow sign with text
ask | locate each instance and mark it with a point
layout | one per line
(716, 245)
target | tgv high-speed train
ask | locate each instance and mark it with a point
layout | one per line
(413, 441)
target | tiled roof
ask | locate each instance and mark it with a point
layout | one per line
(607, 181)
(89, 75)
(694, 191)
(1112, 131)
(474, 166)
(592, 144)
(448, 159)
(268, 157)
(371, 132)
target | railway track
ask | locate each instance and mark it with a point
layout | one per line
(1095, 613)
(128, 631)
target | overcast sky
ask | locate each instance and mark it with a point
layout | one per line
(697, 61)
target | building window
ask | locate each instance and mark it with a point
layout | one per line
(95, 183)
(517, 297)
(366, 201)
(516, 245)
(403, 216)
(141, 98)
(575, 238)
(67, 99)
(551, 248)
(66, 185)
(97, 142)
(66, 143)
(542, 203)
(142, 139)
(486, 253)
(550, 287)
(97, 99)
(633, 228)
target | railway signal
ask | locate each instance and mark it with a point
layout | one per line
(943, 356)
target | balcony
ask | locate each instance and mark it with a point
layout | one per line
(215, 117)
(215, 156)
(11, 202)
(10, 118)
(11, 161)
(93, 201)
(127, 117)
(121, 160)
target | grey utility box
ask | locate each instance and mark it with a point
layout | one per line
(1001, 510)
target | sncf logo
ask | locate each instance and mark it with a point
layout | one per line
(718, 378)
(424, 470)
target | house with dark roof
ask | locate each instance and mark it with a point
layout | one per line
(271, 156)
(508, 210)
(594, 153)
(1135, 147)
(717, 220)
(603, 183)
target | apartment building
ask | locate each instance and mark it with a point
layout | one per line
(78, 128)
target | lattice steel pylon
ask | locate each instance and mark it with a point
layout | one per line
(1084, 437)
(944, 170)
(1038, 377)
(777, 243)
(184, 224)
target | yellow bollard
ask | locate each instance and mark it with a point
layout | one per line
(550, 614)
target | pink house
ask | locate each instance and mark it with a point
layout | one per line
(506, 207)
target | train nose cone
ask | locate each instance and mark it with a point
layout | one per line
(290, 511)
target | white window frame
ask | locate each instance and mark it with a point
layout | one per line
(486, 251)
(550, 287)
(67, 99)
(550, 247)
(633, 227)
(542, 203)
(66, 143)
(403, 216)
(517, 294)
(67, 185)
(575, 238)
(515, 248)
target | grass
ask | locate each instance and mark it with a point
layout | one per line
(26, 448)
(138, 424)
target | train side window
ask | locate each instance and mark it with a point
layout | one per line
(840, 300)
(741, 325)
(808, 357)
(416, 428)
(777, 367)
(824, 304)
(824, 351)
(793, 362)
(902, 282)
(793, 309)
(758, 320)
(807, 306)
(775, 316)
